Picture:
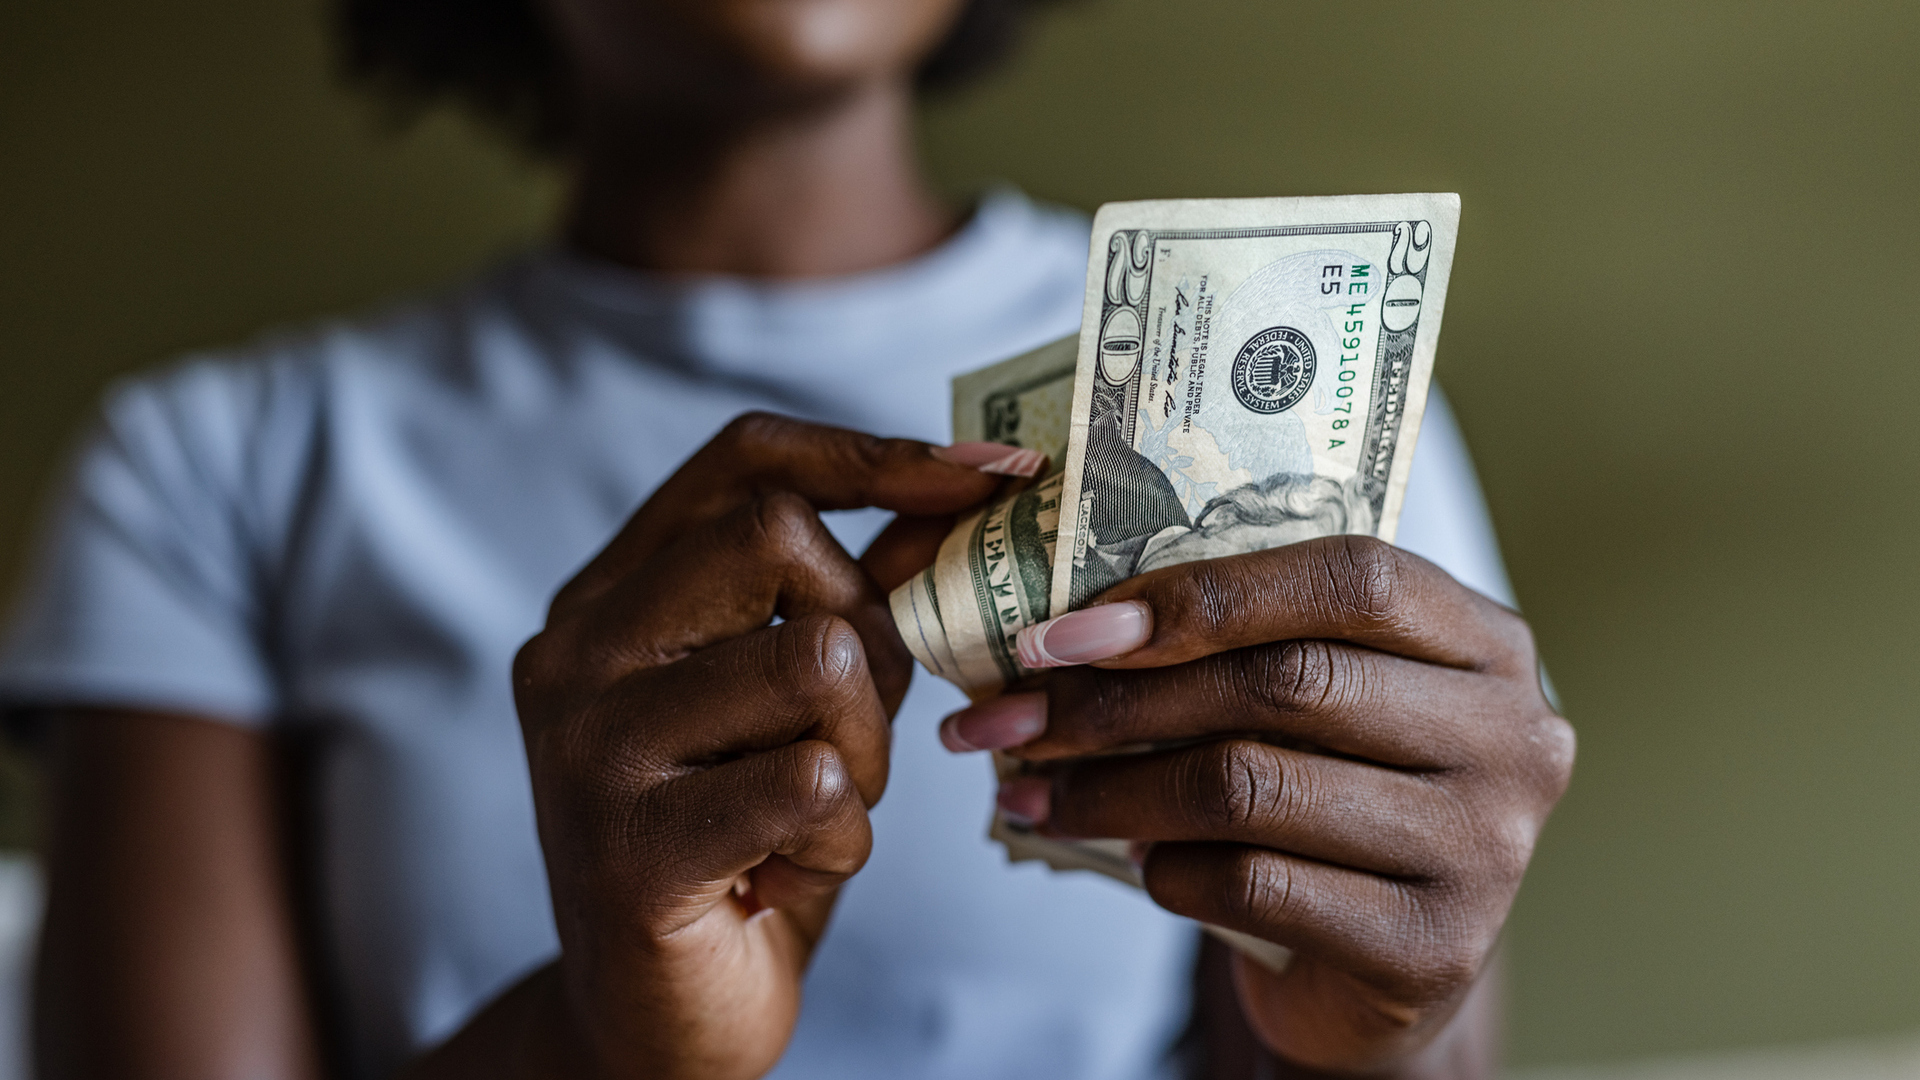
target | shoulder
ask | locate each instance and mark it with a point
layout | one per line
(230, 438)
(223, 404)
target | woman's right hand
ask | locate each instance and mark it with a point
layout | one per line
(701, 773)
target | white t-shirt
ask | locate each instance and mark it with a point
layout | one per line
(347, 533)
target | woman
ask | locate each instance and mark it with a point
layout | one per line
(619, 860)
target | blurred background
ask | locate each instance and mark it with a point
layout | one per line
(1680, 339)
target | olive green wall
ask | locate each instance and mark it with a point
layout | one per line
(1679, 339)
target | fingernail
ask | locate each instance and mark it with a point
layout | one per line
(1137, 854)
(1006, 721)
(1026, 800)
(1081, 637)
(992, 457)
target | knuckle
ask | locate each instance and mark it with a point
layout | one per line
(868, 453)
(1515, 649)
(533, 665)
(545, 677)
(824, 660)
(1429, 949)
(1293, 677)
(1203, 596)
(862, 461)
(1556, 746)
(781, 522)
(1446, 954)
(1262, 889)
(1365, 576)
(1482, 842)
(605, 791)
(1237, 786)
(1508, 851)
(751, 432)
(820, 788)
(609, 778)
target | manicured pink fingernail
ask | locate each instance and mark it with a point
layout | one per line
(1006, 721)
(992, 457)
(1026, 799)
(1081, 637)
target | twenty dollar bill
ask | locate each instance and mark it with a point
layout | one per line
(1251, 373)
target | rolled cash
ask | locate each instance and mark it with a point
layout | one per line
(994, 573)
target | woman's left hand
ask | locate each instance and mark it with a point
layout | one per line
(1369, 760)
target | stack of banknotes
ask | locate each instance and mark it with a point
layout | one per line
(1248, 373)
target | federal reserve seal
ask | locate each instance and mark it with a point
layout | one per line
(1273, 370)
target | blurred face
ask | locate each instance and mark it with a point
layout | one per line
(706, 51)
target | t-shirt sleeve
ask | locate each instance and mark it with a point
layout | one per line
(1445, 517)
(145, 589)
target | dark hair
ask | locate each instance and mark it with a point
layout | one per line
(498, 58)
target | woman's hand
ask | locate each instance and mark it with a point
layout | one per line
(701, 777)
(1370, 758)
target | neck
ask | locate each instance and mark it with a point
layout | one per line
(833, 188)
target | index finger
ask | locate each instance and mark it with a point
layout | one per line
(1341, 588)
(831, 468)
